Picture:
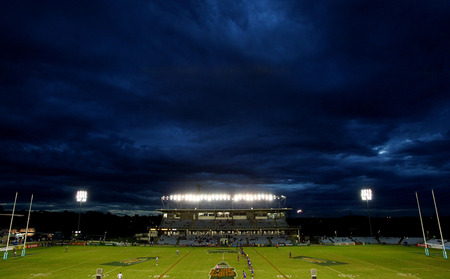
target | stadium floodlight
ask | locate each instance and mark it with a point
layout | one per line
(366, 195)
(220, 197)
(81, 197)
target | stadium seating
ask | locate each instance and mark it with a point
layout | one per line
(281, 240)
(199, 240)
(203, 225)
(224, 225)
(325, 240)
(390, 240)
(187, 241)
(412, 240)
(244, 224)
(168, 240)
(342, 240)
(367, 240)
(282, 223)
(258, 240)
(266, 223)
(238, 240)
(181, 224)
(167, 223)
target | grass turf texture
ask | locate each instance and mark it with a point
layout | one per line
(374, 261)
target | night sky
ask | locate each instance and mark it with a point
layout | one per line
(314, 100)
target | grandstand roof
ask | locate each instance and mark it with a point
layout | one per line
(225, 209)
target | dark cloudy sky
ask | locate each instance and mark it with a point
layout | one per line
(314, 100)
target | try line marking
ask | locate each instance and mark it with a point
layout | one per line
(161, 276)
(50, 272)
(270, 263)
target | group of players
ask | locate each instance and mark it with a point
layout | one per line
(249, 262)
(244, 255)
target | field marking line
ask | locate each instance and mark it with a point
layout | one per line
(392, 270)
(270, 263)
(24, 267)
(379, 266)
(338, 272)
(175, 264)
(64, 268)
(430, 266)
(112, 270)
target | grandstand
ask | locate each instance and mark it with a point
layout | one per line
(366, 239)
(243, 220)
(207, 220)
(390, 240)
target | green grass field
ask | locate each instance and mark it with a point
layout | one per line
(374, 261)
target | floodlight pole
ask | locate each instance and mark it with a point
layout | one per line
(440, 230)
(79, 217)
(5, 255)
(81, 197)
(368, 213)
(366, 194)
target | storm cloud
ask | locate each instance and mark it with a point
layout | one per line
(312, 100)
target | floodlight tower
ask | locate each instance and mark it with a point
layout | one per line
(81, 197)
(366, 195)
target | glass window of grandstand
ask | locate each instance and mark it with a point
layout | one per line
(273, 215)
(223, 215)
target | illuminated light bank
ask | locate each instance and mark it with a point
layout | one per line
(221, 197)
(81, 196)
(366, 194)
